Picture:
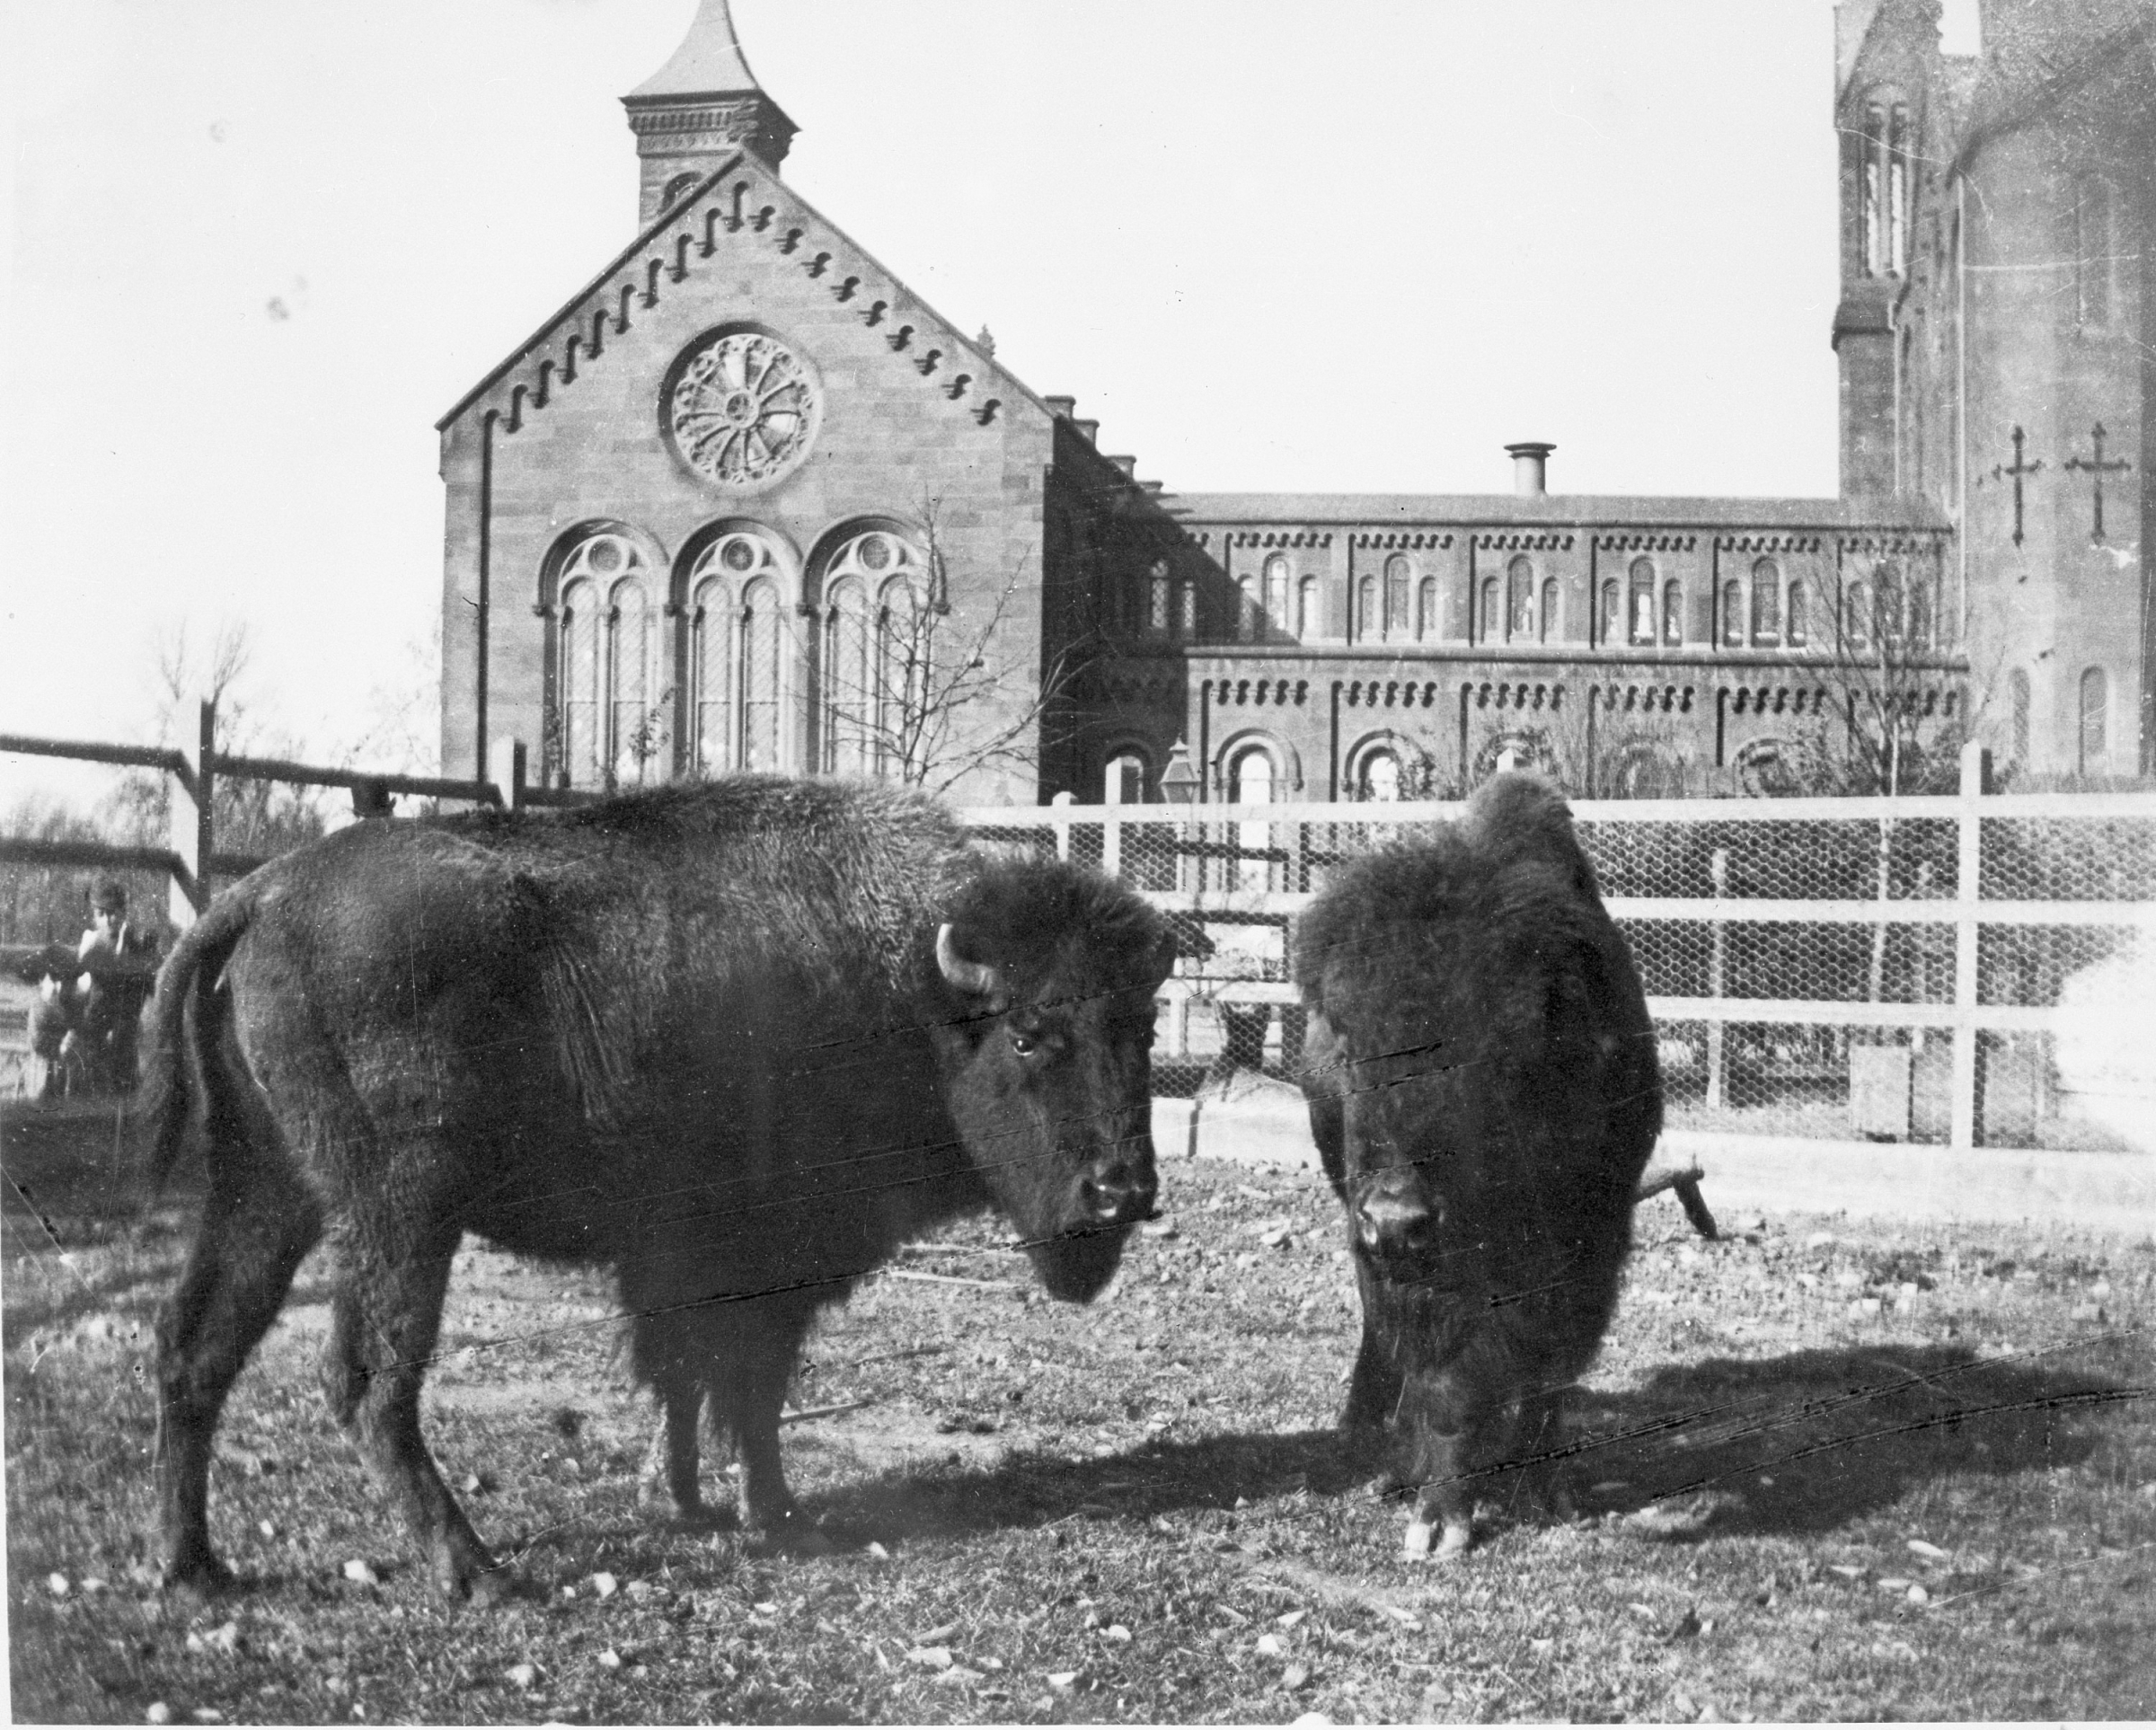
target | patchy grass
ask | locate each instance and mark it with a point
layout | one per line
(1135, 1511)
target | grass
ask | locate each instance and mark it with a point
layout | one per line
(1135, 1512)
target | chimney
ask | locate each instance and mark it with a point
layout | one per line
(1530, 468)
(1087, 430)
(1065, 406)
(1129, 464)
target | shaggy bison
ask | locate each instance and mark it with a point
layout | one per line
(736, 1041)
(1480, 1075)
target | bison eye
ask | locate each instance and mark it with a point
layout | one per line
(1024, 1043)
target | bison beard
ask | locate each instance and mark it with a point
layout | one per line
(1482, 1085)
(738, 1041)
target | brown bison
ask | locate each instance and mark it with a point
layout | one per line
(737, 1042)
(1481, 1080)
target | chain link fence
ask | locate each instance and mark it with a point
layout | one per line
(1814, 967)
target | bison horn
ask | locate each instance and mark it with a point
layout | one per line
(977, 976)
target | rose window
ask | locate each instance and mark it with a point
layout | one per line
(741, 409)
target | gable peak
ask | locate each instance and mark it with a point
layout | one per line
(699, 108)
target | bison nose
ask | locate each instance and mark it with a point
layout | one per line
(1393, 1216)
(1116, 1193)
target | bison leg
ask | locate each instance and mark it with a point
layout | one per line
(1373, 1391)
(384, 1317)
(1446, 1414)
(1539, 1443)
(750, 1371)
(253, 1236)
(668, 1356)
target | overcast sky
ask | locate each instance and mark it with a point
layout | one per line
(256, 248)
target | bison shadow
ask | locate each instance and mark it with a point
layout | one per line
(1794, 1444)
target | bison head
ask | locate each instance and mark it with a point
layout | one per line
(1049, 975)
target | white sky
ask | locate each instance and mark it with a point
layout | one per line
(254, 248)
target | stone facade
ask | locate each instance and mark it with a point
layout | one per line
(746, 501)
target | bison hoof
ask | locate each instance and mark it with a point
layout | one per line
(795, 1535)
(196, 1580)
(1425, 1543)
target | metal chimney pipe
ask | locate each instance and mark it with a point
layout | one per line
(1530, 468)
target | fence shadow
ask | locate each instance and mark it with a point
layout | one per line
(1794, 1444)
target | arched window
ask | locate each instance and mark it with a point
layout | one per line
(717, 582)
(1673, 612)
(1553, 619)
(612, 725)
(1126, 779)
(1766, 603)
(1158, 615)
(1398, 580)
(1920, 614)
(1857, 626)
(758, 676)
(875, 655)
(1276, 592)
(1643, 600)
(1884, 187)
(1613, 613)
(1246, 613)
(1309, 617)
(1733, 614)
(1250, 782)
(2095, 732)
(678, 188)
(1490, 627)
(1519, 599)
(1795, 620)
(1366, 611)
(1379, 779)
(2017, 686)
(1186, 590)
(1427, 625)
(1887, 619)
(2093, 247)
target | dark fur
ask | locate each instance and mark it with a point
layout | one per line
(698, 1034)
(1480, 1066)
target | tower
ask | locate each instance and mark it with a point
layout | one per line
(697, 110)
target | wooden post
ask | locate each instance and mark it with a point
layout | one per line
(192, 827)
(1976, 777)
(1717, 960)
(504, 769)
(1062, 829)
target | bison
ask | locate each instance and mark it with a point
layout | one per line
(1481, 1080)
(736, 1041)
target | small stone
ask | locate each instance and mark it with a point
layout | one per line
(604, 1585)
(522, 1675)
(1543, 1647)
(943, 1634)
(360, 1573)
(57, 1584)
(877, 1552)
(207, 1715)
(268, 1528)
(92, 1585)
(929, 1657)
(1296, 1675)
(1063, 1681)
(609, 1659)
(1269, 1645)
(1290, 1618)
(1116, 1633)
(1891, 1584)
(159, 1713)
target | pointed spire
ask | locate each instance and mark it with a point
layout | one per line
(699, 108)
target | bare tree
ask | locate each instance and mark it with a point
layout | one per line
(926, 695)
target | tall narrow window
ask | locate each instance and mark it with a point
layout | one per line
(1857, 626)
(1873, 190)
(1766, 603)
(758, 677)
(875, 654)
(1884, 188)
(2092, 250)
(1157, 615)
(1897, 190)
(904, 650)
(1733, 614)
(1489, 623)
(1427, 625)
(717, 582)
(2017, 686)
(1379, 779)
(1613, 613)
(612, 724)
(1519, 599)
(1126, 779)
(1276, 592)
(848, 679)
(1185, 588)
(1888, 617)
(1309, 618)
(1250, 782)
(1553, 619)
(1398, 577)
(1643, 600)
(1920, 614)
(1673, 612)
(2096, 702)
(1366, 628)
(1796, 619)
(1246, 608)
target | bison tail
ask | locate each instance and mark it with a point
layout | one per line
(183, 1029)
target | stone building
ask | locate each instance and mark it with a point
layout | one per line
(746, 501)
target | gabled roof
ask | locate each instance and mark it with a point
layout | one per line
(778, 215)
(708, 63)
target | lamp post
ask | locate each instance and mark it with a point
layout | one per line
(1179, 787)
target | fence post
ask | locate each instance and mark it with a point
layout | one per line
(1111, 840)
(1976, 777)
(191, 825)
(1062, 829)
(504, 769)
(1717, 958)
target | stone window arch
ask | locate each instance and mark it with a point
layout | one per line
(873, 589)
(1884, 184)
(1553, 615)
(1368, 624)
(1253, 778)
(1489, 623)
(1160, 613)
(1733, 614)
(678, 188)
(2095, 722)
(1519, 599)
(718, 575)
(1673, 612)
(606, 722)
(1383, 768)
(1766, 603)
(1399, 579)
(1125, 776)
(1277, 591)
(1612, 611)
(1642, 610)
(1310, 621)
(1794, 624)
(1857, 626)
(1428, 626)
